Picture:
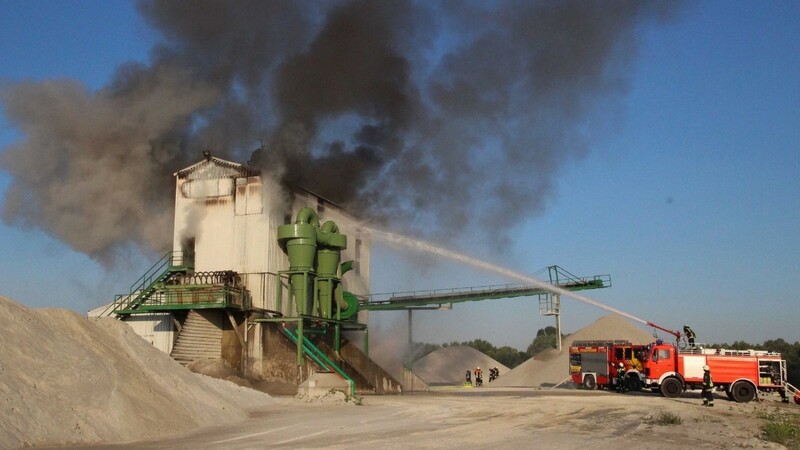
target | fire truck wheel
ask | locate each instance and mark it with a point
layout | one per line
(729, 393)
(743, 391)
(589, 382)
(671, 387)
(634, 383)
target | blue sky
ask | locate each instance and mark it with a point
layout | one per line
(689, 198)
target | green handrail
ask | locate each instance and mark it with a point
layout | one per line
(316, 354)
(142, 288)
(307, 350)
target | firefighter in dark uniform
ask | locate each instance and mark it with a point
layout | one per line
(469, 377)
(621, 378)
(689, 335)
(478, 377)
(708, 385)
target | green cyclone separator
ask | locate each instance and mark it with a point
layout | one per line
(330, 243)
(299, 239)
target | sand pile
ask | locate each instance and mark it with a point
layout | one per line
(551, 367)
(68, 379)
(447, 366)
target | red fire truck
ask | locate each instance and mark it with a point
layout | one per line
(740, 373)
(593, 364)
(672, 369)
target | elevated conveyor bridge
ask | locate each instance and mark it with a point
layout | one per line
(444, 298)
(549, 300)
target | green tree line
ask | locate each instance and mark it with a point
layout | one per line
(505, 355)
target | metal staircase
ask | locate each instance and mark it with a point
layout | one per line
(156, 277)
(200, 338)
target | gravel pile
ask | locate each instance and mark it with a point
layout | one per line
(448, 366)
(551, 367)
(68, 379)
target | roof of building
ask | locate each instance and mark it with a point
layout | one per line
(213, 167)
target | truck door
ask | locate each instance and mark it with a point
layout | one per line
(661, 361)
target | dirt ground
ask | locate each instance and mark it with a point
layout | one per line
(488, 418)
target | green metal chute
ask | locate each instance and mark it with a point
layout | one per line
(319, 357)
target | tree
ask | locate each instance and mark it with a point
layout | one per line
(420, 349)
(482, 346)
(509, 357)
(545, 339)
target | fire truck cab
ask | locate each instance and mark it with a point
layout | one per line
(593, 364)
(740, 373)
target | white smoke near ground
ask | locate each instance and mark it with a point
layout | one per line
(388, 344)
(440, 116)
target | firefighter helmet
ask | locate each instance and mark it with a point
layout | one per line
(621, 365)
(705, 367)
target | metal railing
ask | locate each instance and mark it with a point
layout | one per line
(597, 281)
(145, 286)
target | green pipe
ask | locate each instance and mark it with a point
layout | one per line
(278, 294)
(300, 343)
(307, 215)
(337, 341)
(322, 331)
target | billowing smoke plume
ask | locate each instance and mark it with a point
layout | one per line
(438, 115)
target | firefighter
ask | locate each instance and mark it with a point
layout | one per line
(478, 377)
(708, 385)
(469, 377)
(689, 335)
(621, 378)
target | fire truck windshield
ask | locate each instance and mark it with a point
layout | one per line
(660, 353)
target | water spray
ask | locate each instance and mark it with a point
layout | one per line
(417, 244)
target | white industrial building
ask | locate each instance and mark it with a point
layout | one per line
(226, 221)
(227, 216)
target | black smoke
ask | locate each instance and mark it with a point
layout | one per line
(438, 115)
